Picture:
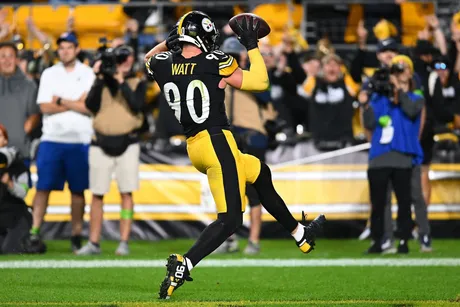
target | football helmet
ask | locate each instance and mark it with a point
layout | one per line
(198, 29)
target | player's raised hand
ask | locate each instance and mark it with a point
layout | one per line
(249, 29)
(172, 42)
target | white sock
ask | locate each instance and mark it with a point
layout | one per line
(189, 264)
(298, 233)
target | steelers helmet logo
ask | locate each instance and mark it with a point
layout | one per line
(207, 25)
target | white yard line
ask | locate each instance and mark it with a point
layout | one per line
(69, 264)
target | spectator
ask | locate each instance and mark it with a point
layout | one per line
(15, 219)
(393, 119)
(331, 108)
(285, 73)
(438, 114)
(442, 80)
(454, 50)
(386, 49)
(20, 113)
(63, 152)
(139, 41)
(115, 100)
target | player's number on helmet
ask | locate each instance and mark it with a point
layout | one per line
(171, 88)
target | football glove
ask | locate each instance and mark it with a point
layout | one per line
(172, 42)
(249, 32)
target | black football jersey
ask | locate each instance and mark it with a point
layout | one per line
(191, 87)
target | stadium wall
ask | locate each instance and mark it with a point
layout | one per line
(175, 201)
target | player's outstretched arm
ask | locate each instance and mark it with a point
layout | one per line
(256, 78)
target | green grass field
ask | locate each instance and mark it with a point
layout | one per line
(280, 276)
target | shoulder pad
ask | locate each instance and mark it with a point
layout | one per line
(217, 55)
(155, 60)
(227, 64)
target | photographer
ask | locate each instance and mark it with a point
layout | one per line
(116, 100)
(392, 117)
(15, 219)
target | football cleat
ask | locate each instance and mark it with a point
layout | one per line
(307, 243)
(176, 274)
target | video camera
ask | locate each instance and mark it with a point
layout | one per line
(111, 57)
(7, 157)
(380, 82)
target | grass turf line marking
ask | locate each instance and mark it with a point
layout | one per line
(236, 303)
(345, 262)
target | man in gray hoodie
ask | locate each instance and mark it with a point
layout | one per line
(19, 112)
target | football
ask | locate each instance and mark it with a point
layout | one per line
(264, 29)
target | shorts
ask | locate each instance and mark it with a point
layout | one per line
(61, 162)
(125, 167)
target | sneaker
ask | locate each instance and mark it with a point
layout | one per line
(176, 274)
(403, 248)
(75, 243)
(88, 249)
(252, 248)
(307, 243)
(425, 244)
(123, 249)
(376, 248)
(229, 246)
(388, 247)
(365, 234)
(415, 233)
(33, 244)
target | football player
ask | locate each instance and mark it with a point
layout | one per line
(192, 74)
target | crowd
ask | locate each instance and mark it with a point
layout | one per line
(90, 110)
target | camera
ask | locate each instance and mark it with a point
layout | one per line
(7, 157)
(111, 57)
(380, 82)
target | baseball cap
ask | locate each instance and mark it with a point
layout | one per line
(67, 37)
(232, 45)
(425, 47)
(388, 44)
(441, 62)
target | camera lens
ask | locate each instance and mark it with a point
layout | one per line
(397, 68)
